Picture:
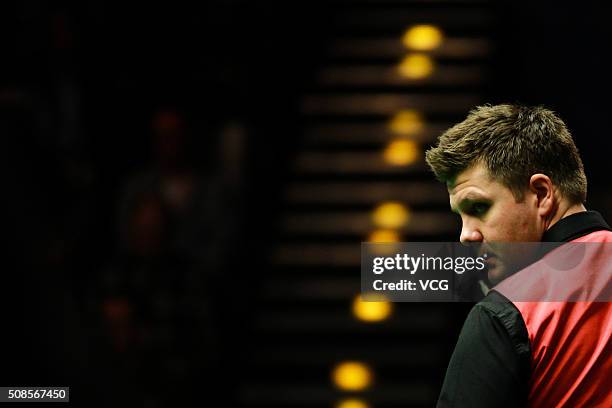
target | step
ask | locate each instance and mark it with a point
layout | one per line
(360, 223)
(456, 16)
(425, 320)
(406, 355)
(348, 104)
(361, 76)
(392, 47)
(324, 394)
(355, 133)
(412, 193)
(354, 163)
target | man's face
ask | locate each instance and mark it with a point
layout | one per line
(490, 215)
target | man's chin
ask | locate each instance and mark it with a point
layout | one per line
(496, 274)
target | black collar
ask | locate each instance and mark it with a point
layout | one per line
(575, 226)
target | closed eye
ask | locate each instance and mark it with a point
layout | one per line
(477, 209)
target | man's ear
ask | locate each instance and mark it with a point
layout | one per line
(541, 185)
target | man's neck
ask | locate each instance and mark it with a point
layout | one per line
(565, 211)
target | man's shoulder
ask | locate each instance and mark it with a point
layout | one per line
(575, 271)
(495, 303)
(502, 311)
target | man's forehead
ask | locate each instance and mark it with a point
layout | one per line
(477, 175)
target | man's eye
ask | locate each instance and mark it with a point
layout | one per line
(479, 209)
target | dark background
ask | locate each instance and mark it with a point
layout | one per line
(90, 90)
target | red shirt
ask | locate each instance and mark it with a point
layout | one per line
(570, 329)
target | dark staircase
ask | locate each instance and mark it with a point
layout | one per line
(304, 323)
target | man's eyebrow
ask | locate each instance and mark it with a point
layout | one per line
(468, 200)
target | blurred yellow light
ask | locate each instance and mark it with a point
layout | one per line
(383, 235)
(375, 310)
(401, 152)
(352, 376)
(391, 215)
(387, 240)
(406, 122)
(416, 66)
(423, 37)
(352, 403)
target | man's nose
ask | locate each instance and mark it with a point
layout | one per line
(470, 234)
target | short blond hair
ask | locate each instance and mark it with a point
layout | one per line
(513, 142)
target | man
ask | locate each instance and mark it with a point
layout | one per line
(514, 175)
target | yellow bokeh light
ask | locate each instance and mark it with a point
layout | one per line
(401, 152)
(391, 215)
(352, 403)
(406, 122)
(416, 66)
(387, 240)
(383, 235)
(423, 37)
(352, 376)
(375, 310)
